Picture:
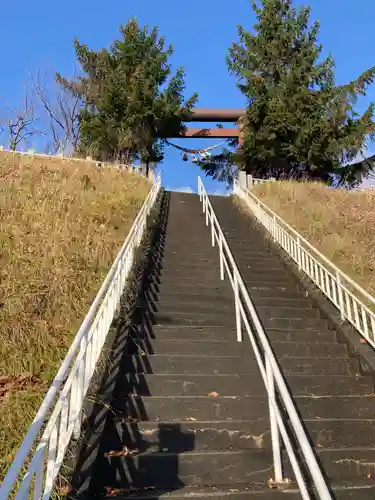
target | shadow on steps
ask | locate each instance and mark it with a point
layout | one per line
(117, 449)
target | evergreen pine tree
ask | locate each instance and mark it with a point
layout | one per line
(298, 123)
(130, 97)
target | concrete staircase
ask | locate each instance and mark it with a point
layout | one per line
(188, 416)
(336, 401)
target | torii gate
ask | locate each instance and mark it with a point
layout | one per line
(214, 115)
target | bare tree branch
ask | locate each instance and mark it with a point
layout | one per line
(21, 123)
(61, 109)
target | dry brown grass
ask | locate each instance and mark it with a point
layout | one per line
(61, 226)
(339, 223)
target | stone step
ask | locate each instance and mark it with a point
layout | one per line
(280, 302)
(318, 366)
(213, 276)
(196, 302)
(339, 407)
(184, 364)
(179, 249)
(271, 291)
(188, 436)
(180, 293)
(309, 350)
(287, 312)
(203, 364)
(199, 287)
(193, 318)
(168, 469)
(220, 333)
(240, 385)
(348, 463)
(203, 408)
(209, 273)
(195, 408)
(220, 306)
(192, 309)
(234, 348)
(236, 435)
(192, 304)
(242, 492)
(250, 271)
(325, 385)
(185, 254)
(310, 335)
(269, 281)
(341, 433)
(190, 385)
(195, 333)
(188, 347)
(194, 266)
(289, 323)
(195, 262)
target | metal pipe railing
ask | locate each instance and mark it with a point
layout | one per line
(272, 376)
(38, 461)
(340, 289)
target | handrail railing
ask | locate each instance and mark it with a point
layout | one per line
(246, 316)
(38, 460)
(340, 289)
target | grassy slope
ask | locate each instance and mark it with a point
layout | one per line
(61, 226)
(339, 223)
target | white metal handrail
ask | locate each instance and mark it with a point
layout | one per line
(269, 368)
(34, 469)
(340, 289)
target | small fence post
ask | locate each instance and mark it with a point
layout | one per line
(221, 258)
(237, 306)
(299, 255)
(275, 436)
(274, 226)
(212, 230)
(80, 388)
(340, 295)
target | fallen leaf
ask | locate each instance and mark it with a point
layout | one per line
(369, 475)
(271, 484)
(65, 490)
(214, 394)
(112, 492)
(124, 452)
(363, 341)
(190, 419)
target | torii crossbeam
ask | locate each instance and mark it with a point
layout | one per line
(217, 115)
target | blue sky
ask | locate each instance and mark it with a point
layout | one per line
(39, 34)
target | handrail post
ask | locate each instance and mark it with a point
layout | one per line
(212, 230)
(206, 209)
(275, 435)
(341, 296)
(237, 307)
(299, 255)
(221, 258)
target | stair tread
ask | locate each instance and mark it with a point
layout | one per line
(196, 404)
